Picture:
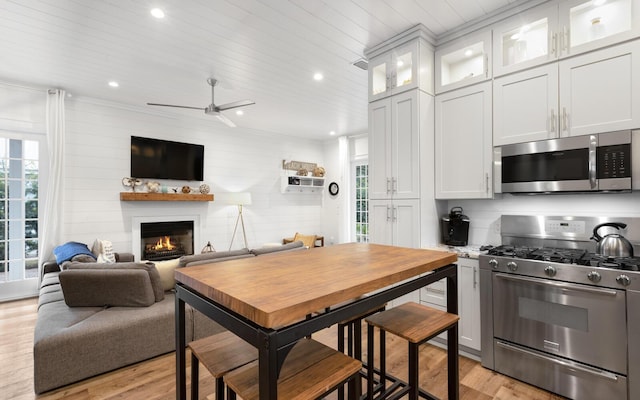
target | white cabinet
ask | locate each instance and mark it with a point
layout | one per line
(395, 222)
(525, 40)
(600, 91)
(588, 25)
(435, 295)
(469, 303)
(406, 67)
(591, 93)
(394, 151)
(561, 29)
(463, 143)
(463, 62)
(525, 106)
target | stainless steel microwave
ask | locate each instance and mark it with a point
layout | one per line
(590, 163)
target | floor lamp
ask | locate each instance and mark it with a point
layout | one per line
(239, 199)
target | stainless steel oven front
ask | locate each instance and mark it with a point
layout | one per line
(568, 338)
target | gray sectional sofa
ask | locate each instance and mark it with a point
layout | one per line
(95, 317)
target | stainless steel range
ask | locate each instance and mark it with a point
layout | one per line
(556, 314)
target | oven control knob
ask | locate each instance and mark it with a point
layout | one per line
(550, 270)
(623, 280)
(594, 276)
(493, 263)
(512, 265)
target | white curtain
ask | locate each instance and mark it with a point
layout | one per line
(51, 217)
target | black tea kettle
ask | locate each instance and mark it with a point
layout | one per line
(612, 245)
(455, 228)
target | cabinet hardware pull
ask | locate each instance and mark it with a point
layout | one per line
(486, 178)
(394, 185)
(388, 185)
(573, 367)
(552, 122)
(554, 44)
(566, 39)
(388, 216)
(565, 121)
(395, 214)
(486, 65)
(475, 281)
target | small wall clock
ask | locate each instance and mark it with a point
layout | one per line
(333, 188)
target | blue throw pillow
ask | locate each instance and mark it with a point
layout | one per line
(67, 251)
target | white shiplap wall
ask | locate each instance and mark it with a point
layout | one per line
(97, 158)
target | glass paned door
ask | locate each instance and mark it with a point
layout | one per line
(19, 200)
(361, 214)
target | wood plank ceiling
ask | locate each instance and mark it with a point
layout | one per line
(265, 50)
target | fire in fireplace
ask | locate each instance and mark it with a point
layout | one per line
(166, 240)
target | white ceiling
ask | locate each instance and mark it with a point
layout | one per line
(264, 50)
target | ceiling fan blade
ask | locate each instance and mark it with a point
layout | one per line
(235, 104)
(225, 120)
(172, 105)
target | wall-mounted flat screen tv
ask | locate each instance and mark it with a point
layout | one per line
(164, 159)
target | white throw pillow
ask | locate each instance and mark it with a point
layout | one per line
(166, 269)
(103, 250)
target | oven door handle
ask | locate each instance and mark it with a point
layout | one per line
(560, 285)
(568, 365)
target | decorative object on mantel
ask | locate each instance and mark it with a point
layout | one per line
(208, 248)
(153, 186)
(131, 182)
(318, 172)
(204, 188)
(302, 172)
(239, 199)
(186, 189)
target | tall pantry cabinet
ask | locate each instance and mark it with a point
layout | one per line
(401, 142)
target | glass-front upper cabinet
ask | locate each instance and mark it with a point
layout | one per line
(463, 62)
(405, 67)
(525, 40)
(587, 25)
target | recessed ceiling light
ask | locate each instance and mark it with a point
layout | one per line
(114, 84)
(468, 53)
(318, 76)
(332, 133)
(157, 12)
(239, 112)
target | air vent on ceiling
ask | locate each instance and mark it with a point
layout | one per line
(361, 63)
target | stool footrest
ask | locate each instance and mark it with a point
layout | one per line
(308, 371)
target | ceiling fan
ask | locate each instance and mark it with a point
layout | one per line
(213, 109)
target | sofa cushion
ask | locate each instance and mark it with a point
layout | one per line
(103, 250)
(166, 270)
(307, 240)
(154, 275)
(67, 251)
(273, 249)
(107, 287)
(188, 260)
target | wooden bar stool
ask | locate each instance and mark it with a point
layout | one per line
(417, 324)
(310, 371)
(220, 354)
(353, 328)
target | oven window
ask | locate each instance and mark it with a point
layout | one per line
(554, 313)
(562, 165)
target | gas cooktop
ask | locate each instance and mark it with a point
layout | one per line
(566, 256)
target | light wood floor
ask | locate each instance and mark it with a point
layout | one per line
(155, 378)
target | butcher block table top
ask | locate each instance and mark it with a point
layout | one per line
(278, 289)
